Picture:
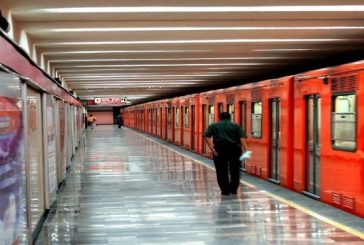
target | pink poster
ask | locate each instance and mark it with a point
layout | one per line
(12, 189)
(51, 149)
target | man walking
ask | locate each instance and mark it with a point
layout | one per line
(119, 120)
(227, 145)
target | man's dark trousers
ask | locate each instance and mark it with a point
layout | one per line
(227, 161)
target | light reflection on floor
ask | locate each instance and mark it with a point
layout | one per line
(125, 189)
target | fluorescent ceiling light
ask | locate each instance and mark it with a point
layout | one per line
(129, 96)
(125, 51)
(285, 49)
(101, 74)
(144, 83)
(137, 82)
(222, 68)
(197, 9)
(143, 76)
(173, 65)
(134, 79)
(194, 28)
(98, 70)
(167, 59)
(275, 40)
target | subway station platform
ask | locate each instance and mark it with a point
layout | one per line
(124, 187)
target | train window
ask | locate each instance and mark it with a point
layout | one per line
(186, 117)
(221, 108)
(231, 111)
(169, 116)
(177, 117)
(211, 114)
(344, 122)
(243, 116)
(257, 119)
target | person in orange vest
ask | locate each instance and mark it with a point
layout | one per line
(91, 121)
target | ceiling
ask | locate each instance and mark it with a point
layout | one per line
(146, 50)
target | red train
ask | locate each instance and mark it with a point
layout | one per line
(304, 130)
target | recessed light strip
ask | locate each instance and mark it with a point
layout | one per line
(170, 59)
(197, 9)
(275, 40)
(285, 49)
(172, 65)
(126, 51)
(193, 28)
(144, 75)
(136, 82)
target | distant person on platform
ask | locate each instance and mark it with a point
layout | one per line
(91, 120)
(119, 120)
(227, 145)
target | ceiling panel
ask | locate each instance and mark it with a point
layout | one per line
(152, 49)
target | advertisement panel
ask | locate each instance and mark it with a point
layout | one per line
(61, 148)
(34, 153)
(12, 175)
(50, 148)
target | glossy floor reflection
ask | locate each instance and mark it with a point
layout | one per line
(125, 189)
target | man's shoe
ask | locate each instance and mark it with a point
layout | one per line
(225, 193)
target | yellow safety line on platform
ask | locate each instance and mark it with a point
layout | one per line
(281, 199)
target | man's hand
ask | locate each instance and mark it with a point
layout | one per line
(214, 152)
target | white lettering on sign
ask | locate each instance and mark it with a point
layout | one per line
(111, 101)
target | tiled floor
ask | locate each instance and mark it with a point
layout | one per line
(125, 189)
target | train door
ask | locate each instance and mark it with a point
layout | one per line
(142, 122)
(231, 110)
(275, 132)
(155, 121)
(150, 119)
(161, 122)
(166, 123)
(173, 123)
(193, 144)
(220, 108)
(156, 112)
(243, 121)
(182, 124)
(169, 123)
(204, 127)
(211, 118)
(313, 144)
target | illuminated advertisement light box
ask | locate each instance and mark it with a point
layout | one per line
(111, 101)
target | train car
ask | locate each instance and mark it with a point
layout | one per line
(189, 105)
(270, 129)
(328, 154)
(303, 130)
